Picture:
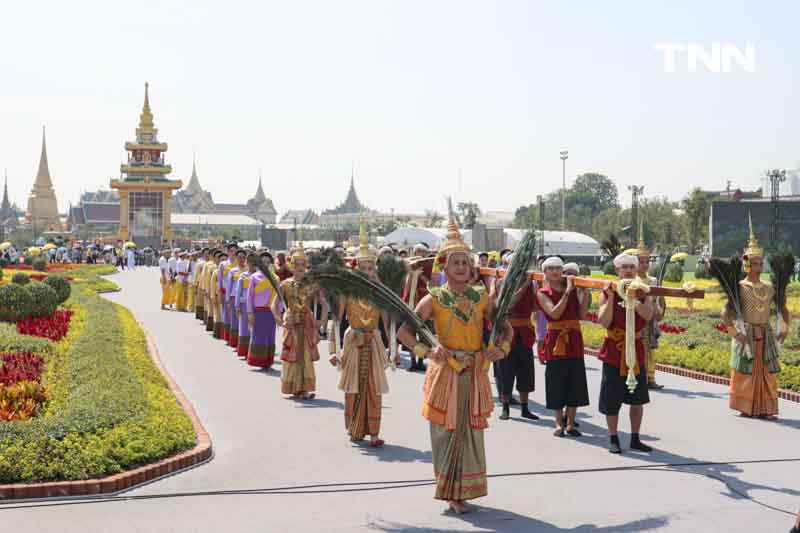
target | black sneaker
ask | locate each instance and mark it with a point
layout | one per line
(505, 414)
(527, 414)
(640, 446)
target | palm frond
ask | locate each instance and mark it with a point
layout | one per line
(391, 272)
(662, 268)
(781, 262)
(344, 282)
(516, 276)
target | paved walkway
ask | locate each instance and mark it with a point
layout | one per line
(263, 440)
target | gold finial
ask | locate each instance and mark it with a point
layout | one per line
(146, 118)
(364, 251)
(454, 242)
(641, 248)
(753, 249)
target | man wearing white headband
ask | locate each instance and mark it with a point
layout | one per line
(651, 333)
(613, 390)
(565, 374)
(571, 269)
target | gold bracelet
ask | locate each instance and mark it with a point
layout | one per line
(420, 350)
(732, 332)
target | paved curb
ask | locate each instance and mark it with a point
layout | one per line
(202, 452)
(787, 395)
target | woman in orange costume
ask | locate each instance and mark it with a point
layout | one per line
(457, 396)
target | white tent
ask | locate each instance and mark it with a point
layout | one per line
(566, 243)
(409, 236)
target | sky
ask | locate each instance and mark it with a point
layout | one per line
(420, 99)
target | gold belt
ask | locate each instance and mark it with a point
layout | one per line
(617, 336)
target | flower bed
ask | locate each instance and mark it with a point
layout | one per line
(20, 366)
(53, 327)
(102, 404)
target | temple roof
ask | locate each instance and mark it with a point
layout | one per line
(351, 204)
(43, 181)
(194, 183)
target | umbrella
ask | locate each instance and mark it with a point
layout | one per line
(130, 244)
(107, 248)
(680, 256)
(92, 246)
(49, 246)
(33, 250)
(5, 246)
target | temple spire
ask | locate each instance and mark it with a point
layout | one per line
(6, 203)
(146, 118)
(194, 181)
(260, 197)
(43, 180)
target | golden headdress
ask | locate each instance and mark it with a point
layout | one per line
(641, 248)
(454, 242)
(299, 252)
(753, 249)
(364, 251)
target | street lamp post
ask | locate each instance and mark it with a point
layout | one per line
(636, 192)
(776, 177)
(564, 154)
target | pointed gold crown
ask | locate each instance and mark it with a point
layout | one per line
(641, 248)
(364, 251)
(753, 249)
(299, 252)
(454, 242)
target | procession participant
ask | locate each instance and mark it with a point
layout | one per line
(222, 272)
(301, 336)
(416, 288)
(754, 353)
(208, 289)
(191, 294)
(199, 302)
(233, 309)
(364, 359)
(166, 281)
(241, 288)
(222, 260)
(172, 262)
(651, 332)
(181, 281)
(260, 319)
(565, 373)
(457, 395)
(613, 388)
(131, 257)
(518, 365)
(283, 272)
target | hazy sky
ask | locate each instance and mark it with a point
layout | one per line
(416, 93)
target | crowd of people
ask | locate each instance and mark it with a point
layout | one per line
(241, 296)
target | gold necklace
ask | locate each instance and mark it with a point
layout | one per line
(760, 294)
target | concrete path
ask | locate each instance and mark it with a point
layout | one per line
(263, 440)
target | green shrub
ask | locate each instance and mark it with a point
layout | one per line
(4, 262)
(61, 286)
(608, 268)
(15, 302)
(674, 273)
(40, 264)
(702, 271)
(20, 278)
(584, 270)
(44, 300)
(29, 260)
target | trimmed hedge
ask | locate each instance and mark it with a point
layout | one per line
(40, 264)
(12, 341)
(61, 286)
(674, 273)
(20, 278)
(44, 300)
(15, 302)
(608, 269)
(110, 408)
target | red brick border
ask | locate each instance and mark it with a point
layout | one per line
(787, 395)
(201, 453)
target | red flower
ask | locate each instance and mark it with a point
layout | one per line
(52, 327)
(19, 366)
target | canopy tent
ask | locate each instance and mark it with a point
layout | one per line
(566, 243)
(409, 236)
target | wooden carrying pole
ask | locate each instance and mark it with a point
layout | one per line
(598, 283)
